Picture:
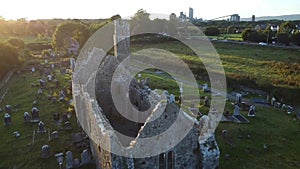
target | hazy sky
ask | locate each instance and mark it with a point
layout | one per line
(206, 9)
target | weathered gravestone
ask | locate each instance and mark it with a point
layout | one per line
(237, 110)
(172, 98)
(86, 157)
(76, 163)
(8, 108)
(60, 158)
(45, 151)
(55, 116)
(238, 98)
(251, 111)
(26, 117)
(7, 119)
(69, 159)
(54, 135)
(41, 127)
(67, 125)
(35, 115)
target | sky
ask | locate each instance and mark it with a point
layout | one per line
(94, 9)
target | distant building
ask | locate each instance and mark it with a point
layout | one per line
(182, 17)
(191, 14)
(253, 18)
(173, 16)
(275, 28)
(235, 18)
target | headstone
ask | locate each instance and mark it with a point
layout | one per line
(238, 98)
(69, 160)
(34, 102)
(76, 163)
(237, 110)
(7, 119)
(273, 100)
(40, 91)
(49, 77)
(67, 125)
(65, 117)
(16, 133)
(172, 98)
(53, 99)
(42, 83)
(243, 106)
(251, 111)
(45, 151)
(8, 108)
(60, 158)
(55, 116)
(224, 132)
(41, 127)
(85, 157)
(35, 115)
(32, 69)
(54, 135)
(26, 117)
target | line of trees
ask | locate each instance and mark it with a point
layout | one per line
(12, 53)
(287, 33)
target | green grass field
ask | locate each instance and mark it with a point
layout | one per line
(26, 39)
(271, 127)
(20, 152)
(243, 146)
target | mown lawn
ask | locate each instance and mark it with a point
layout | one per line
(271, 127)
(243, 146)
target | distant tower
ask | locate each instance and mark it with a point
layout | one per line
(172, 17)
(191, 14)
(253, 18)
(182, 17)
(121, 39)
(235, 18)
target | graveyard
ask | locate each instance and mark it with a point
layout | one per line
(59, 130)
(265, 137)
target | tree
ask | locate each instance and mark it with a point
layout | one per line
(287, 27)
(140, 22)
(296, 38)
(286, 31)
(65, 31)
(16, 42)
(250, 35)
(283, 38)
(9, 57)
(212, 31)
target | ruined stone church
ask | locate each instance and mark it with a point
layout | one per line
(95, 87)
